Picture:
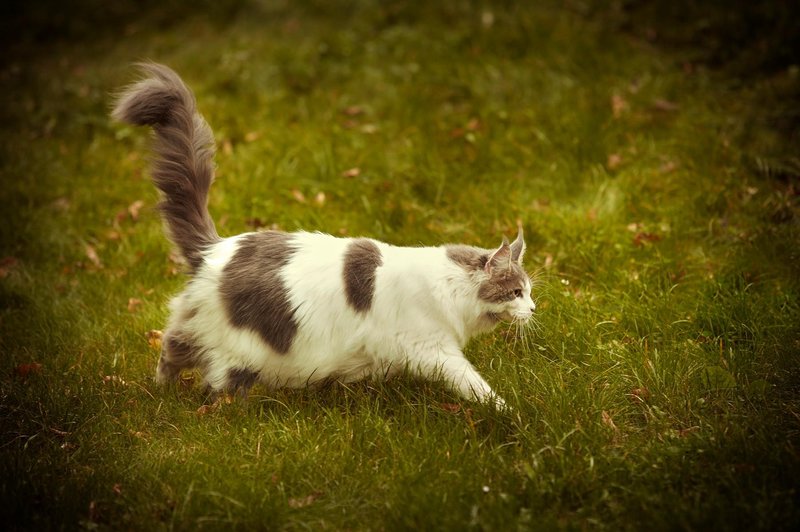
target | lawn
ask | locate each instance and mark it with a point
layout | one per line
(650, 151)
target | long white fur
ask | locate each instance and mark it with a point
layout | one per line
(424, 310)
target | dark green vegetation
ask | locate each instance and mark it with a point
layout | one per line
(652, 162)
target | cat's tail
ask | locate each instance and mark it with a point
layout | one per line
(183, 166)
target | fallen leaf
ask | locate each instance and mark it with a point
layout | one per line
(319, 199)
(453, 408)
(487, 19)
(614, 161)
(299, 196)
(641, 238)
(352, 172)
(176, 258)
(6, 265)
(134, 208)
(634, 227)
(474, 124)
(24, 370)
(665, 105)
(61, 204)
(607, 421)
(668, 167)
(186, 380)
(222, 399)
(227, 147)
(353, 110)
(369, 129)
(91, 254)
(255, 222)
(134, 304)
(302, 502)
(154, 337)
(252, 136)
(205, 409)
(114, 379)
(117, 488)
(641, 394)
(93, 513)
(618, 105)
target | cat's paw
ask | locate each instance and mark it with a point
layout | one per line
(499, 403)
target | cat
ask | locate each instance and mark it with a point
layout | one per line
(295, 309)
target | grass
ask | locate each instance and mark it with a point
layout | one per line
(656, 176)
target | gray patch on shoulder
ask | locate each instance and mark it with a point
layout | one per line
(467, 257)
(361, 260)
(254, 293)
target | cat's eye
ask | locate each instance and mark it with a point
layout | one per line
(518, 293)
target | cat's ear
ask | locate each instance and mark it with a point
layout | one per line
(501, 258)
(518, 247)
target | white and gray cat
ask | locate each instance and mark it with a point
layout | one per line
(293, 309)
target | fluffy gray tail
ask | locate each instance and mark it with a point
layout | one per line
(183, 169)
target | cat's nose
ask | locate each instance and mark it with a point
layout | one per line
(533, 307)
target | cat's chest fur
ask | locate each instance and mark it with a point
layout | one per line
(302, 307)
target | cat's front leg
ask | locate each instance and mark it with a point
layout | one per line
(462, 376)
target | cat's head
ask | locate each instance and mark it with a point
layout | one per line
(505, 288)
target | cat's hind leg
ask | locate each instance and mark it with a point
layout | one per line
(178, 352)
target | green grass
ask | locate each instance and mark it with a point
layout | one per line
(657, 179)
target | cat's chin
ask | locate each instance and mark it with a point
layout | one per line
(496, 317)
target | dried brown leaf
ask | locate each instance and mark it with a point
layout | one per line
(665, 105)
(134, 304)
(353, 110)
(640, 394)
(642, 238)
(352, 172)
(6, 265)
(23, 371)
(453, 408)
(134, 208)
(614, 161)
(618, 105)
(91, 254)
(607, 421)
(298, 196)
(154, 337)
(302, 502)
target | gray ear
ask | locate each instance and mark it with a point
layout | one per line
(500, 258)
(518, 247)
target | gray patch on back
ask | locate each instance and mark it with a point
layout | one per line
(361, 260)
(468, 257)
(254, 293)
